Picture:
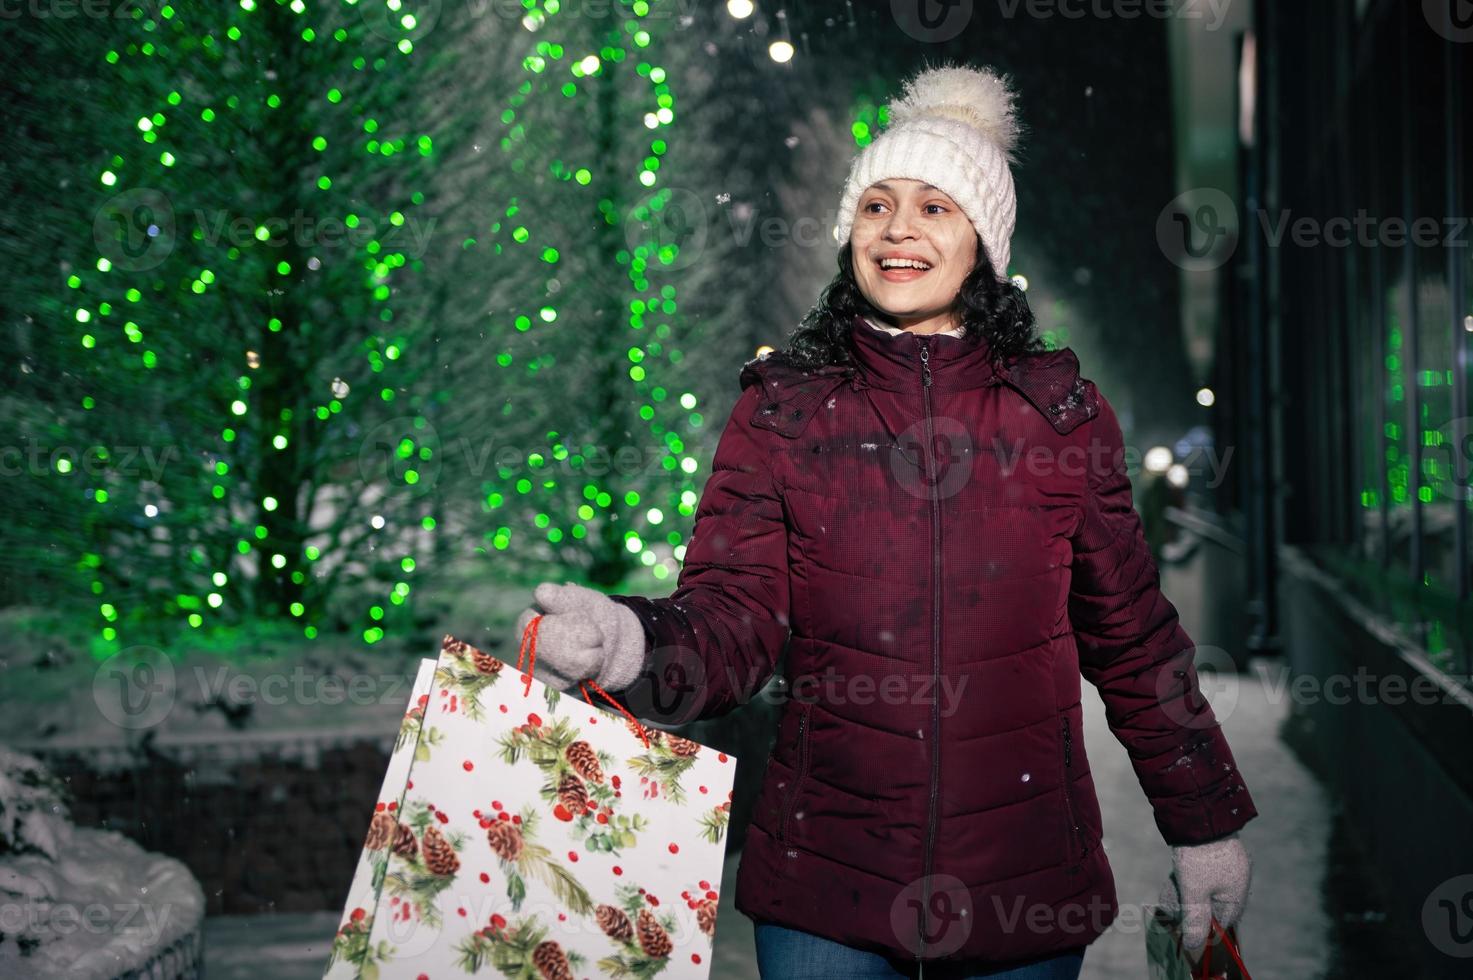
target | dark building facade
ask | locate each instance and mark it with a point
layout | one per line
(1351, 319)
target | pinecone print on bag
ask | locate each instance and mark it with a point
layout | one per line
(615, 923)
(458, 648)
(380, 831)
(404, 843)
(681, 746)
(653, 734)
(706, 917)
(572, 794)
(440, 857)
(505, 839)
(485, 662)
(551, 961)
(581, 757)
(653, 938)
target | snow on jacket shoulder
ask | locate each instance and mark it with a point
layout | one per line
(944, 545)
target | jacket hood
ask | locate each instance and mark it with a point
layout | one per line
(1049, 380)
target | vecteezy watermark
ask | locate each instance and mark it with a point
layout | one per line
(143, 923)
(1359, 686)
(138, 229)
(296, 686)
(1447, 917)
(34, 459)
(139, 687)
(943, 458)
(406, 233)
(90, 9)
(682, 12)
(1363, 229)
(405, 454)
(1212, 12)
(940, 910)
(937, 21)
(1199, 230)
(832, 689)
(1452, 19)
(778, 231)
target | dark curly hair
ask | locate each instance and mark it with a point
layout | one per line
(991, 309)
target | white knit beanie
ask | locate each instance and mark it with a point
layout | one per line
(955, 128)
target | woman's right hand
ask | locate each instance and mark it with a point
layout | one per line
(583, 634)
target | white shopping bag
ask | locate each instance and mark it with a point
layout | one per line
(522, 832)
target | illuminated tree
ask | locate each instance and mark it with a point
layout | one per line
(368, 280)
(256, 355)
(605, 232)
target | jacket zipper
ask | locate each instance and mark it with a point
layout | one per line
(1076, 833)
(802, 768)
(925, 355)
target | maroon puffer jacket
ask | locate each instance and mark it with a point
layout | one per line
(929, 794)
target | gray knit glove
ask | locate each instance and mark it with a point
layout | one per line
(583, 634)
(1207, 881)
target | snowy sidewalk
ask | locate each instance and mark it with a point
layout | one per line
(1285, 931)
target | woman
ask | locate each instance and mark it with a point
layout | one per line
(931, 515)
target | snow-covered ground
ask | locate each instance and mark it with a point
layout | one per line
(1285, 931)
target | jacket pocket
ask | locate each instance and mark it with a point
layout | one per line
(1076, 843)
(804, 725)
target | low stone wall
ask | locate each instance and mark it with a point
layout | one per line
(274, 823)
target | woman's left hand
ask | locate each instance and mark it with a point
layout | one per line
(1207, 881)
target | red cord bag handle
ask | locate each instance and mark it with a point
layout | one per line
(528, 651)
(1226, 942)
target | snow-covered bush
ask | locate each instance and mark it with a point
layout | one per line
(33, 807)
(82, 903)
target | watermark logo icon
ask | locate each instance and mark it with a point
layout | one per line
(1453, 443)
(932, 21)
(135, 230)
(673, 225)
(403, 454)
(1447, 917)
(1198, 230)
(671, 689)
(135, 688)
(941, 460)
(934, 911)
(1185, 690)
(1452, 19)
(394, 20)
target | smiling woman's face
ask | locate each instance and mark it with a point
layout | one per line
(912, 249)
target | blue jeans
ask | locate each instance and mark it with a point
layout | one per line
(789, 954)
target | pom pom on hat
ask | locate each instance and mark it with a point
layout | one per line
(957, 129)
(979, 97)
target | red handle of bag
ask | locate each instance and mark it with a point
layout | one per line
(528, 651)
(1226, 942)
